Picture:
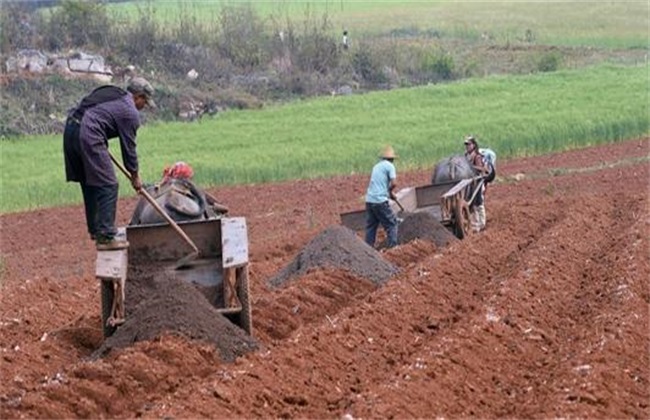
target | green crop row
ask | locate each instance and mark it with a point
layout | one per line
(516, 116)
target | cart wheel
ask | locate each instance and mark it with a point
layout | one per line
(245, 317)
(462, 223)
(107, 293)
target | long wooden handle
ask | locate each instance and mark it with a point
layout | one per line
(398, 203)
(156, 206)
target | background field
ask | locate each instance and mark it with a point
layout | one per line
(514, 114)
(339, 135)
(576, 22)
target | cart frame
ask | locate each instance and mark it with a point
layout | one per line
(223, 267)
(451, 203)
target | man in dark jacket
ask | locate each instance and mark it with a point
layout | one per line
(107, 112)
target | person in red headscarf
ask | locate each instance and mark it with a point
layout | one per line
(179, 170)
(183, 171)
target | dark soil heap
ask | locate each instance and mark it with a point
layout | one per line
(423, 225)
(338, 247)
(157, 303)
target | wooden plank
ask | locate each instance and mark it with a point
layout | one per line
(229, 294)
(239, 275)
(408, 200)
(160, 242)
(235, 310)
(355, 220)
(234, 241)
(111, 265)
(430, 195)
(458, 187)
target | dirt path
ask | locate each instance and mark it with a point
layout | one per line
(545, 314)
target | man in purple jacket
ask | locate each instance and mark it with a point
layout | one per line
(107, 112)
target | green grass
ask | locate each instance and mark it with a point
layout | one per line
(515, 116)
(611, 24)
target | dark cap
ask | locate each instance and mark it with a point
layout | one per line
(470, 140)
(140, 85)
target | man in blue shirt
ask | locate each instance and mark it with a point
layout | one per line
(380, 189)
(107, 112)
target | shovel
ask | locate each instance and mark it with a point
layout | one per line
(185, 261)
(399, 204)
(399, 219)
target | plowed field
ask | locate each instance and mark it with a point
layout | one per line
(544, 314)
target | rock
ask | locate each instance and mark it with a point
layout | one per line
(82, 62)
(192, 74)
(33, 61)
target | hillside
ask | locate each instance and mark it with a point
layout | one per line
(248, 55)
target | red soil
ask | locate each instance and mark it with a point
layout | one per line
(545, 314)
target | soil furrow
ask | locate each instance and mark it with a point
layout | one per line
(545, 314)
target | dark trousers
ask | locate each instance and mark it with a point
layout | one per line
(101, 206)
(380, 213)
(100, 202)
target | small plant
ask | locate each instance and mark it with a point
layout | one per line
(549, 190)
(529, 36)
(79, 24)
(367, 65)
(438, 66)
(558, 171)
(549, 62)
(241, 36)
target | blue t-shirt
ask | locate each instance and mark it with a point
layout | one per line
(378, 188)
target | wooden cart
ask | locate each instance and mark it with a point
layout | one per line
(450, 203)
(221, 273)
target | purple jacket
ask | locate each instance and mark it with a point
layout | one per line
(117, 118)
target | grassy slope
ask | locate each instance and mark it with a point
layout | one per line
(514, 115)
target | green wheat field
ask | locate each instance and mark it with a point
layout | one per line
(514, 115)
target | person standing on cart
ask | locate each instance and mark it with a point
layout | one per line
(381, 188)
(107, 112)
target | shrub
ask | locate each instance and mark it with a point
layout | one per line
(241, 36)
(190, 31)
(437, 66)
(314, 49)
(139, 40)
(18, 26)
(368, 65)
(78, 23)
(549, 61)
